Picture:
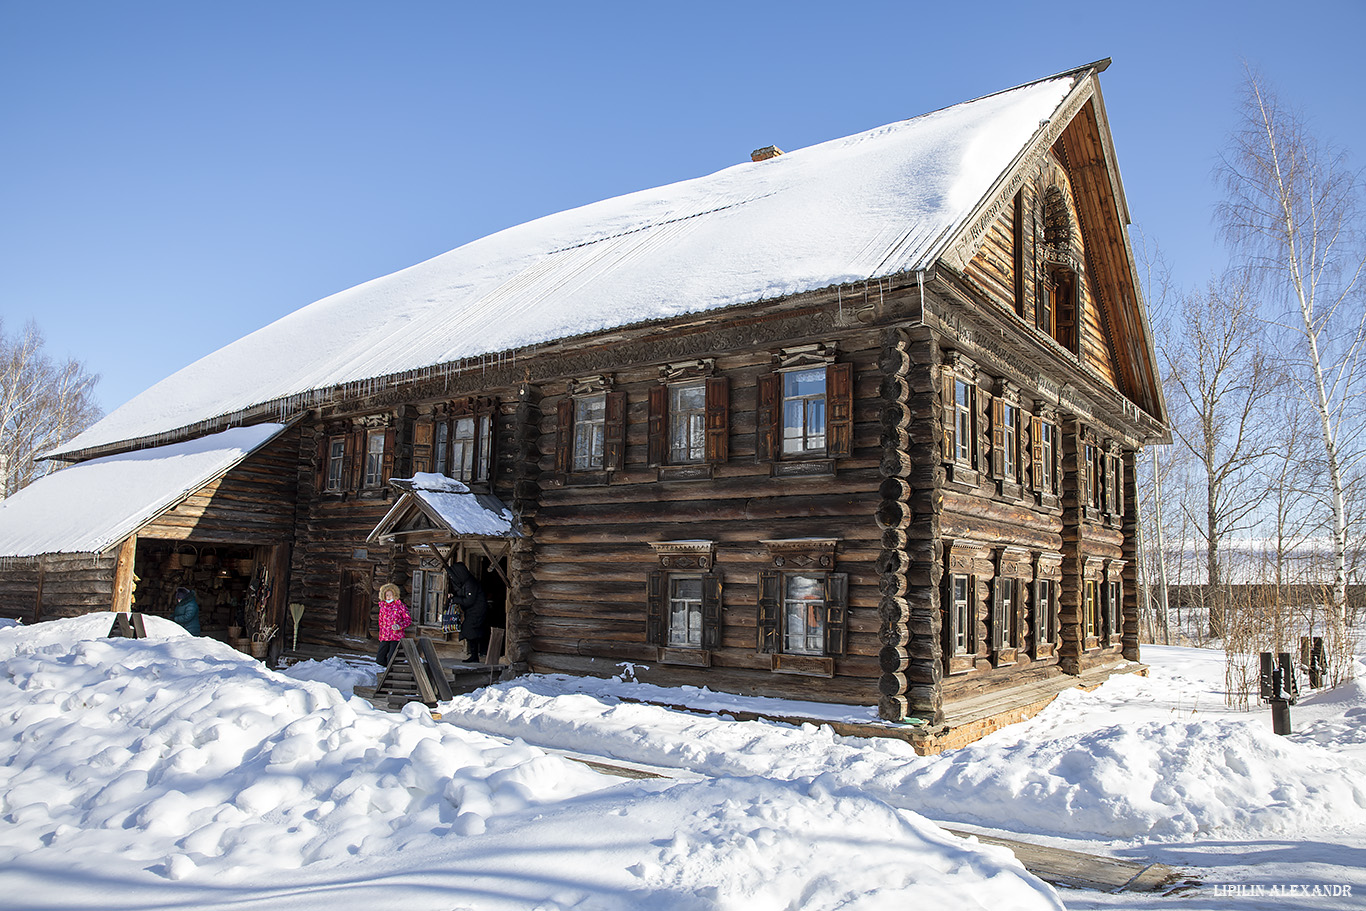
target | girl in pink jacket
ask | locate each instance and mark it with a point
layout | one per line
(393, 621)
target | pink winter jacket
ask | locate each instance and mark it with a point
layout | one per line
(393, 620)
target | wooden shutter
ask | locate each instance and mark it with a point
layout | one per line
(390, 451)
(1087, 477)
(711, 611)
(654, 608)
(1036, 621)
(770, 585)
(947, 380)
(839, 402)
(355, 459)
(422, 445)
(998, 617)
(718, 419)
(836, 613)
(998, 437)
(486, 442)
(1117, 484)
(1036, 454)
(564, 435)
(767, 430)
(324, 453)
(657, 438)
(1057, 460)
(614, 432)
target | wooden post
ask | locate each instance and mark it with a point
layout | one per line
(122, 599)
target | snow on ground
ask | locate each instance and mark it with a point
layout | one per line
(176, 772)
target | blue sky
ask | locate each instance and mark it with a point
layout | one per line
(175, 175)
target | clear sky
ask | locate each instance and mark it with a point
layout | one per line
(174, 175)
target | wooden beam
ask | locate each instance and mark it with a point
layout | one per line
(122, 599)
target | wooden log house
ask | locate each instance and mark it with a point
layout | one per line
(852, 424)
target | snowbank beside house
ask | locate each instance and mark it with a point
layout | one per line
(1138, 759)
(174, 771)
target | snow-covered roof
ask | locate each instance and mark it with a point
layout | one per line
(448, 505)
(880, 203)
(90, 507)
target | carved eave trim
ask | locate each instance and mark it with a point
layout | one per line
(589, 385)
(814, 355)
(686, 370)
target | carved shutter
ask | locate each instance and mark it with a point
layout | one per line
(422, 445)
(767, 432)
(487, 442)
(718, 419)
(836, 612)
(1036, 454)
(998, 437)
(1086, 477)
(947, 379)
(998, 615)
(711, 611)
(1036, 618)
(614, 432)
(1057, 460)
(390, 451)
(839, 399)
(564, 434)
(657, 440)
(1117, 473)
(769, 589)
(654, 609)
(320, 476)
(1117, 620)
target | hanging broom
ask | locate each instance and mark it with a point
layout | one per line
(296, 610)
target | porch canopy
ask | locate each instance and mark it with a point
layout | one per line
(91, 507)
(436, 509)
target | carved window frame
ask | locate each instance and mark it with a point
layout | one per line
(1046, 462)
(813, 558)
(1044, 617)
(715, 411)
(1009, 594)
(771, 420)
(680, 560)
(960, 400)
(973, 561)
(613, 455)
(1008, 440)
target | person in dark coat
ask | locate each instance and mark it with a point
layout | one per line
(467, 594)
(185, 609)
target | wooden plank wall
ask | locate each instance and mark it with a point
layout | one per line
(251, 504)
(19, 587)
(592, 552)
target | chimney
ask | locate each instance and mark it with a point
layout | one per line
(765, 153)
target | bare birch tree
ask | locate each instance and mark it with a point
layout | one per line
(1292, 212)
(1218, 367)
(42, 404)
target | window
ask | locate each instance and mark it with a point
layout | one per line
(590, 414)
(462, 449)
(683, 603)
(374, 458)
(1010, 426)
(443, 440)
(1114, 486)
(1043, 630)
(804, 411)
(1046, 458)
(964, 396)
(1057, 307)
(1090, 620)
(685, 612)
(429, 593)
(1094, 474)
(687, 422)
(1004, 629)
(803, 614)
(960, 615)
(802, 607)
(336, 462)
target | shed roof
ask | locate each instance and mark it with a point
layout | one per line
(433, 503)
(880, 203)
(91, 507)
